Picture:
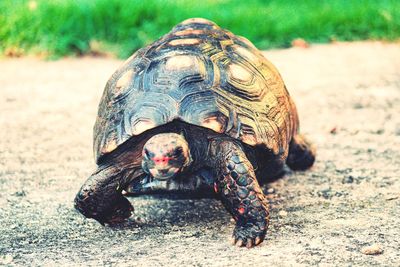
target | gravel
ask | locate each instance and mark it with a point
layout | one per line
(348, 96)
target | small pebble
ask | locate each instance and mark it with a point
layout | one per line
(348, 179)
(326, 193)
(271, 190)
(391, 197)
(299, 42)
(282, 213)
(374, 249)
(20, 193)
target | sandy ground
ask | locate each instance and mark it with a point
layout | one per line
(348, 96)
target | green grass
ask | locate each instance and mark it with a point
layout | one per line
(64, 27)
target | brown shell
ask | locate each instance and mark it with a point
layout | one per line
(202, 75)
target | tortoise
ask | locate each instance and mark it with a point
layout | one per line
(198, 109)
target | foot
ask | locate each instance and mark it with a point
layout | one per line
(122, 211)
(249, 235)
(100, 196)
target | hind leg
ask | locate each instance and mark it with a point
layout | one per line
(301, 153)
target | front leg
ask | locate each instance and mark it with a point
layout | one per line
(100, 196)
(241, 194)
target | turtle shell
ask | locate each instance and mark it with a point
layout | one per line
(203, 75)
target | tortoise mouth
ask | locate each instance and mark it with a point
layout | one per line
(164, 174)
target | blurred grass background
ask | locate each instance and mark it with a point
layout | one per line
(55, 28)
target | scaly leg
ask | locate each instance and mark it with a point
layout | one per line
(241, 194)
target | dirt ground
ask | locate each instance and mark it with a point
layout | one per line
(348, 96)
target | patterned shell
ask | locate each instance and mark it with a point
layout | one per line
(202, 75)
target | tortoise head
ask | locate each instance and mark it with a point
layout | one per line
(165, 155)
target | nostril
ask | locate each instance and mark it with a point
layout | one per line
(160, 160)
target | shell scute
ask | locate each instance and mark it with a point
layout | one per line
(202, 75)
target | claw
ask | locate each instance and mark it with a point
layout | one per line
(258, 240)
(116, 220)
(239, 243)
(249, 243)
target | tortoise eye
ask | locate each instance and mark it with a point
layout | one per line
(147, 153)
(178, 152)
